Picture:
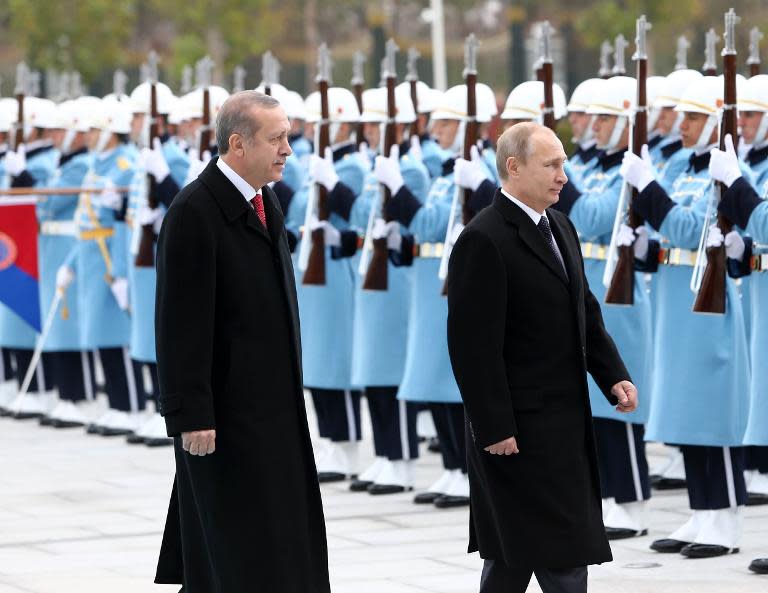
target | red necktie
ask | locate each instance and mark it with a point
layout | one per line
(258, 204)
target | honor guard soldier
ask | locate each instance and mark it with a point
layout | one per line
(428, 377)
(327, 309)
(705, 355)
(744, 203)
(619, 437)
(72, 366)
(382, 307)
(668, 155)
(167, 165)
(585, 156)
(31, 164)
(101, 266)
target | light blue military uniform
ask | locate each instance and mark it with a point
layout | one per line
(294, 173)
(327, 312)
(301, 148)
(580, 163)
(433, 157)
(142, 279)
(381, 317)
(105, 325)
(670, 160)
(701, 367)
(593, 216)
(57, 247)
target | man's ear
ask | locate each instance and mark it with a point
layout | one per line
(513, 167)
(236, 143)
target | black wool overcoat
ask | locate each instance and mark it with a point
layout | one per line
(522, 335)
(249, 517)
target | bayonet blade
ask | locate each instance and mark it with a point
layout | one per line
(22, 78)
(642, 26)
(324, 64)
(119, 82)
(239, 79)
(606, 49)
(412, 67)
(390, 64)
(620, 45)
(731, 20)
(470, 55)
(710, 53)
(755, 35)
(681, 55)
(358, 68)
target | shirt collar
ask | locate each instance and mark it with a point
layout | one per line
(241, 184)
(534, 216)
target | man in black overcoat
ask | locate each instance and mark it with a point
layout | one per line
(523, 332)
(245, 513)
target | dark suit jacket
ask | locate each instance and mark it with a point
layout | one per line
(229, 358)
(522, 336)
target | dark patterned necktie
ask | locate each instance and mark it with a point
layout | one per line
(258, 204)
(547, 232)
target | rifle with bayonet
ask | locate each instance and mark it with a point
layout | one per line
(412, 76)
(606, 49)
(462, 196)
(204, 68)
(145, 256)
(681, 54)
(376, 278)
(268, 72)
(22, 86)
(238, 79)
(711, 295)
(547, 76)
(312, 249)
(711, 39)
(621, 289)
(358, 82)
(753, 61)
(620, 44)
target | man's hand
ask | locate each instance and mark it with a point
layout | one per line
(505, 447)
(199, 442)
(627, 394)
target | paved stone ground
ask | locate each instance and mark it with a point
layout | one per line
(84, 514)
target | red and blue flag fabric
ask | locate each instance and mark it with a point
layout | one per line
(19, 277)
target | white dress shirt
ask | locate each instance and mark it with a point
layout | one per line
(536, 217)
(241, 184)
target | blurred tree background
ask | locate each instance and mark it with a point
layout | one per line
(95, 37)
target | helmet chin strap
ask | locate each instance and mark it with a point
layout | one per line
(653, 117)
(587, 137)
(676, 126)
(66, 143)
(762, 130)
(104, 137)
(706, 132)
(458, 140)
(618, 130)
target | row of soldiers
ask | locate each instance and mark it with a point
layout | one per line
(699, 376)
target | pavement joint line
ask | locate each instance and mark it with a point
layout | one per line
(72, 540)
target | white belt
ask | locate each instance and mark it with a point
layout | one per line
(59, 227)
(676, 256)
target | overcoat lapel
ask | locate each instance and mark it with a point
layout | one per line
(529, 234)
(569, 249)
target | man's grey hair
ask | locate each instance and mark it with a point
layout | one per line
(235, 117)
(516, 142)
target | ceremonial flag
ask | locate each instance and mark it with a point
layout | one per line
(19, 278)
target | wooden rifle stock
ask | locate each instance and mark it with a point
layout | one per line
(754, 69)
(414, 129)
(621, 290)
(360, 128)
(547, 77)
(145, 258)
(377, 277)
(19, 135)
(315, 273)
(712, 293)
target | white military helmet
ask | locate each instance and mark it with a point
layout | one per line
(90, 110)
(704, 96)
(39, 113)
(426, 98)
(375, 105)
(342, 106)
(70, 117)
(754, 97)
(526, 101)
(194, 101)
(116, 117)
(293, 104)
(617, 97)
(140, 98)
(175, 112)
(584, 94)
(5, 117)
(675, 84)
(453, 103)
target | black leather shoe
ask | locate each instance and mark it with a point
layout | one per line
(94, 428)
(445, 501)
(360, 485)
(706, 551)
(661, 483)
(434, 445)
(55, 423)
(158, 442)
(668, 546)
(46, 421)
(624, 533)
(326, 477)
(760, 566)
(115, 432)
(377, 489)
(27, 415)
(755, 499)
(426, 497)
(134, 439)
